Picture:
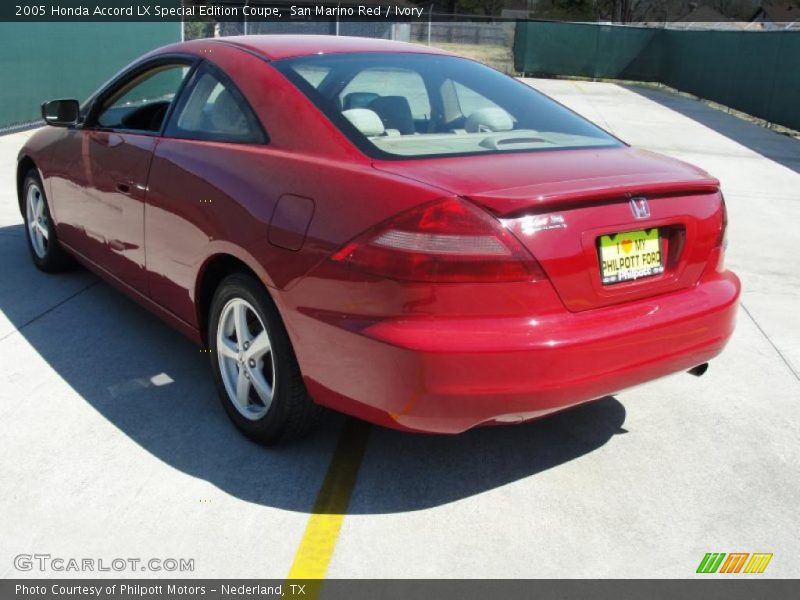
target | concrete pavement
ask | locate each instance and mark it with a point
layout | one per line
(114, 444)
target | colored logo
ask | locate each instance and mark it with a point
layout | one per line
(735, 562)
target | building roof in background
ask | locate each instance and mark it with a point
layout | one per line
(704, 14)
(781, 13)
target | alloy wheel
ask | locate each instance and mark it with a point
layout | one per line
(38, 227)
(246, 361)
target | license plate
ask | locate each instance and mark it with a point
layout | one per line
(630, 255)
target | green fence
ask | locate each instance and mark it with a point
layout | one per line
(752, 71)
(40, 61)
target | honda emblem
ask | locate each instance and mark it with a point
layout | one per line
(639, 208)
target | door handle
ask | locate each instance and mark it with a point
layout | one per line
(123, 188)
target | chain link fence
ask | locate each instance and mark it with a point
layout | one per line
(438, 28)
(487, 39)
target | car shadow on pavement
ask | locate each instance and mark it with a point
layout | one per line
(155, 387)
(782, 149)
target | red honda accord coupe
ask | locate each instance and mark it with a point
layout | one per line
(381, 228)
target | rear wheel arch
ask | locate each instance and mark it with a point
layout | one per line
(213, 272)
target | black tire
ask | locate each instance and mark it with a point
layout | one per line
(51, 257)
(291, 413)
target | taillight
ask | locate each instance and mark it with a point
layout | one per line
(448, 241)
(722, 241)
(723, 234)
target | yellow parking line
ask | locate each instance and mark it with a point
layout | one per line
(322, 530)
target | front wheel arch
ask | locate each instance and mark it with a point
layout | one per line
(24, 166)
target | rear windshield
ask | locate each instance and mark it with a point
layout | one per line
(424, 105)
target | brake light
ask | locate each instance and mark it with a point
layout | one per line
(722, 241)
(447, 241)
(723, 234)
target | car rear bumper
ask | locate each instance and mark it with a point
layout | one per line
(447, 375)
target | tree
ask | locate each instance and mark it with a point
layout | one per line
(569, 10)
(193, 30)
(625, 11)
(487, 7)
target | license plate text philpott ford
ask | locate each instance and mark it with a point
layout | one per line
(630, 255)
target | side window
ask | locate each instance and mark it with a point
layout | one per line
(398, 96)
(213, 109)
(142, 103)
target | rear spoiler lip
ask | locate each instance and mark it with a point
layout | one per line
(543, 198)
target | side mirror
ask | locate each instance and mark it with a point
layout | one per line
(61, 113)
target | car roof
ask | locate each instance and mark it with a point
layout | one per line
(278, 46)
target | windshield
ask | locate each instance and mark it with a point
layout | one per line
(421, 105)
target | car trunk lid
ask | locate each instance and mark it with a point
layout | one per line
(559, 204)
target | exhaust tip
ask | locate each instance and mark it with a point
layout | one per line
(698, 370)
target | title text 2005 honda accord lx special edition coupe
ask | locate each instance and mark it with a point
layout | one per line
(385, 229)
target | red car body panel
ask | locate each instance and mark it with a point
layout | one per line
(154, 215)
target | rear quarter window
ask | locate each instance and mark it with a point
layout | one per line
(213, 109)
